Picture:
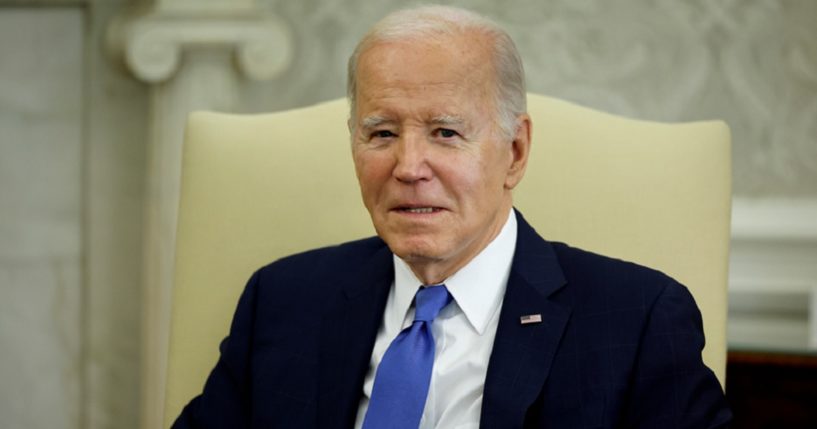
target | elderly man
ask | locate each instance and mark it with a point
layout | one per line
(458, 315)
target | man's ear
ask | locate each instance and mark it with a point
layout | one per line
(520, 149)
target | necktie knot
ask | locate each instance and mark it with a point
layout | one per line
(429, 301)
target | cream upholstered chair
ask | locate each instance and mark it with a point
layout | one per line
(258, 187)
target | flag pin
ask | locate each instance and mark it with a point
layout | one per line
(530, 318)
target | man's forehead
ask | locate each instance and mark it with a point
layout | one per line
(470, 51)
(444, 77)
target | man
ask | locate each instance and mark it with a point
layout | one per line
(458, 315)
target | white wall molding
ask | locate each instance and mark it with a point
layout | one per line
(181, 49)
(776, 219)
(773, 274)
(152, 45)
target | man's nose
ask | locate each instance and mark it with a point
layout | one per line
(412, 159)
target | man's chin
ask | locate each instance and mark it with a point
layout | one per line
(414, 253)
(429, 268)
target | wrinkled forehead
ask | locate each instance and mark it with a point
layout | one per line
(446, 61)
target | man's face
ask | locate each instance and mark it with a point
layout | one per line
(434, 171)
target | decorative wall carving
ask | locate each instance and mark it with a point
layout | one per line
(153, 45)
(753, 64)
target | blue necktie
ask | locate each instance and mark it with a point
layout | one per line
(402, 378)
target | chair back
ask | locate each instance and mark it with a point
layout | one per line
(259, 187)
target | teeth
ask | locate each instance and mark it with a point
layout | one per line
(420, 210)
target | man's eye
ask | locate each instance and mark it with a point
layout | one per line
(382, 134)
(446, 133)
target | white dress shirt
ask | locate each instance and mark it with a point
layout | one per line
(463, 332)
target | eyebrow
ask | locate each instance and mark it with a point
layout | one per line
(374, 121)
(447, 120)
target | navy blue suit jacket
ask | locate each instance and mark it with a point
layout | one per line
(619, 345)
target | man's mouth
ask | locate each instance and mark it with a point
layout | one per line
(418, 210)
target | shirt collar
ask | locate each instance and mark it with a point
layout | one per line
(477, 288)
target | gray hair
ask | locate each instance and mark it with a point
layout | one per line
(510, 98)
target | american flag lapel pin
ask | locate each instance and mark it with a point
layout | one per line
(530, 318)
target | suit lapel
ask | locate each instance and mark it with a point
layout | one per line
(348, 333)
(522, 353)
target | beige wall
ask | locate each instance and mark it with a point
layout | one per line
(73, 180)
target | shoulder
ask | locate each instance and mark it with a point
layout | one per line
(600, 281)
(579, 264)
(585, 272)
